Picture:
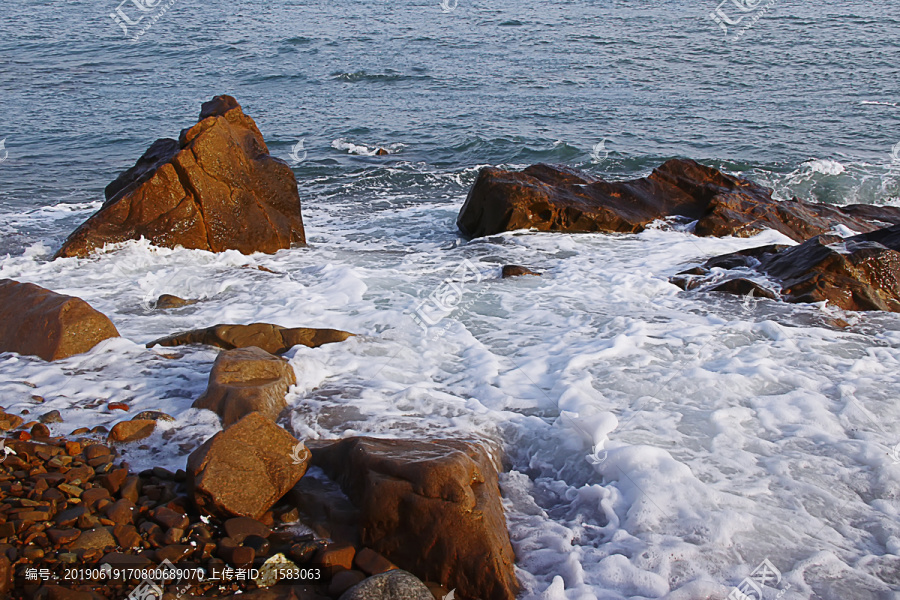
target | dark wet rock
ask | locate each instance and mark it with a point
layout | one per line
(743, 287)
(51, 417)
(36, 321)
(245, 469)
(247, 380)
(860, 273)
(550, 198)
(97, 538)
(393, 585)
(216, 188)
(343, 581)
(167, 301)
(430, 507)
(239, 528)
(516, 271)
(271, 338)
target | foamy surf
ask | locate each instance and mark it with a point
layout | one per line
(659, 444)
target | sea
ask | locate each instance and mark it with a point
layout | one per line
(654, 443)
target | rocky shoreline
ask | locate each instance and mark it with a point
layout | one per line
(372, 518)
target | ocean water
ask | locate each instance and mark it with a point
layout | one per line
(656, 443)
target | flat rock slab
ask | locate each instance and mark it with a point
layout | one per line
(216, 188)
(245, 469)
(36, 321)
(431, 507)
(550, 198)
(271, 338)
(247, 380)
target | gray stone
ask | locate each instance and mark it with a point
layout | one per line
(392, 585)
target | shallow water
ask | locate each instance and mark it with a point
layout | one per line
(743, 429)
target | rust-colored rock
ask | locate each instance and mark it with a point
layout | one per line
(216, 188)
(861, 272)
(131, 431)
(247, 380)
(430, 507)
(550, 198)
(516, 271)
(36, 321)
(271, 338)
(245, 469)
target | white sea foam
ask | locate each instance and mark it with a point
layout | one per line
(729, 433)
(364, 150)
(825, 166)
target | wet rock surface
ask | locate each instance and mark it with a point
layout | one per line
(271, 338)
(860, 273)
(245, 469)
(549, 198)
(215, 188)
(430, 507)
(39, 322)
(244, 381)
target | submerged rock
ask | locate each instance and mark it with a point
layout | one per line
(247, 380)
(245, 469)
(36, 321)
(860, 273)
(550, 198)
(271, 338)
(516, 271)
(216, 188)
(430, 507)
(167, 301)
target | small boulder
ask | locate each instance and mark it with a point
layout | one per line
(271, 338)
(36, 321)
(516, 271)
(247, 380)
(392, 585)
(126, 432)
(216, 188)
(245, 469)
(167, 301)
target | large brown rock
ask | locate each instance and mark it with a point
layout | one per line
(430, 507)
(861, 272)
(216, 188)
(36, 321)
(550, 198)
(247, 380)
(245, 469)
(271, 338)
